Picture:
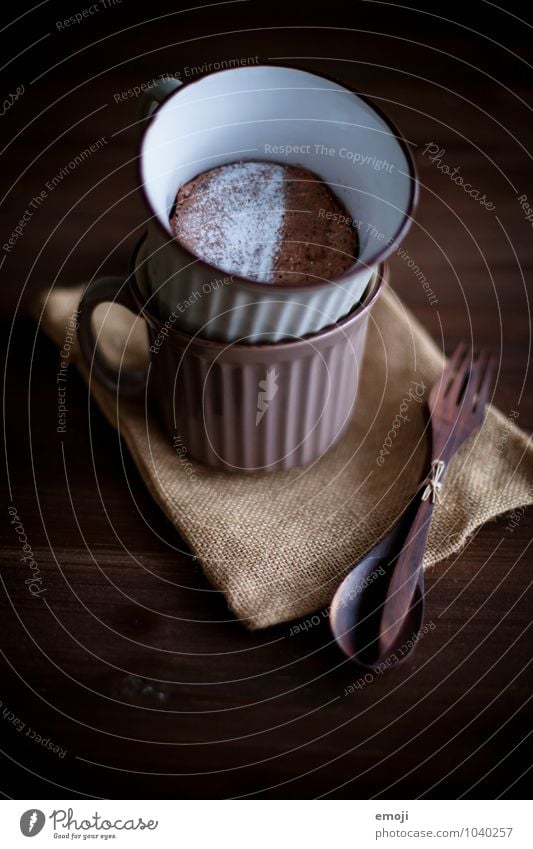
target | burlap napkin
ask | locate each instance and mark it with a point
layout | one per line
(277, 545)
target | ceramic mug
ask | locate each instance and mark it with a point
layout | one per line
(236, 406)
(269, 112)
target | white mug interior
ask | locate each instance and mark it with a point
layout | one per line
(290, 116)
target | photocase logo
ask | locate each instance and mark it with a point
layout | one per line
(32, 822)
(268, 389)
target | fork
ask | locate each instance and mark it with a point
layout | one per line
(370, 620)
(457, 409)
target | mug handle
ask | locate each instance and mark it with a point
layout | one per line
(153, 96)
(130, 384)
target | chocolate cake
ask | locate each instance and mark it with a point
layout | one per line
(265, 221)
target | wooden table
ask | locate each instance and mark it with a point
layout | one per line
(133, 668)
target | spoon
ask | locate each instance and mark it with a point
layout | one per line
(357, 605)
(378, 608)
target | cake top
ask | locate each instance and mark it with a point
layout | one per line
(264, 221)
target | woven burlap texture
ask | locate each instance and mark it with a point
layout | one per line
(277, 545)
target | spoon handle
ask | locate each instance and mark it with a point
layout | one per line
(406, 576)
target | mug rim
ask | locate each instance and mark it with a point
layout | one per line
(324, 337)
(342, 279)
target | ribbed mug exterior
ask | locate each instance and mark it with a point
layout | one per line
(226, 308)
(252, 408)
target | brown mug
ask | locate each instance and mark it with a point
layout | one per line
(232, 405)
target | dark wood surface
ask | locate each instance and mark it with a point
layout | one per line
(133, 664)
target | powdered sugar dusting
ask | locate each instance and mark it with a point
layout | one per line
(237, 218)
